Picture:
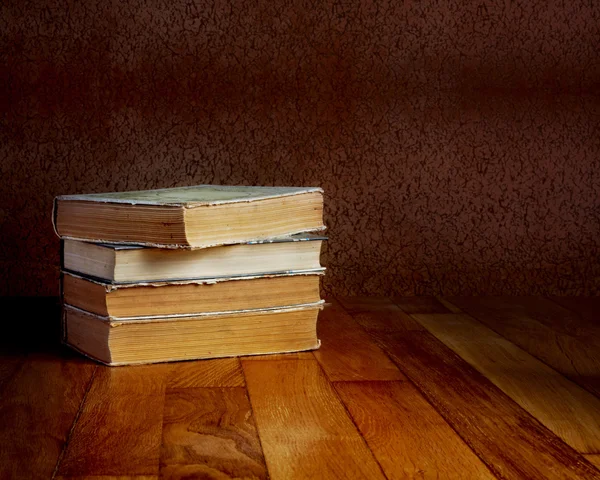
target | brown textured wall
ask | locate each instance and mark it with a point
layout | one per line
(458, 142)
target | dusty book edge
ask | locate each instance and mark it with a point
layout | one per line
(116, 321)
(111, 286)
(245, 194)
(120, 364)
(180, 245)
(293, 238)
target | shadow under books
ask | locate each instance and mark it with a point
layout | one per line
(33, 324)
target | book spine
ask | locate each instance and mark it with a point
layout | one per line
(110, 285)
(174, 246)
(63, 329)
(54, 215)
(194, 316)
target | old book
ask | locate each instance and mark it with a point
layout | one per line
(200, 216)
(125, 263)
(191, 296)
(146, 340)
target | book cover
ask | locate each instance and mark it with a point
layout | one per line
(199, 216)
(193, 196)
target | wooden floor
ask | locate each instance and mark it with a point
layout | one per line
(454, 388)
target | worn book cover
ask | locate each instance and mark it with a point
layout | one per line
(186, 297)
(115, 263)
(115, 341)
(193, 196)
(193, 217)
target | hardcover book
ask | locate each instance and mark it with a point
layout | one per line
(197, 217)
(147, 340)
(114, 263)
(187, 297)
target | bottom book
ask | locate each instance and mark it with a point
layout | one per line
(137, 340)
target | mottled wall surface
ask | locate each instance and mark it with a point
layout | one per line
(458, 142)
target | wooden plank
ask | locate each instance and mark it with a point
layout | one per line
(303, 426)
(218, 372)
(382, 315)
(109, 477)
(38, 406)
(587, 308)
(509, 440)
(594, 460)
(426, 447)
(280, 356)
(119, 430)
(548, 331)
(412, 305)
(450, 306)
(386, 320)
(362, 304)
(534, 311)
(9, 366)
(568, 410)
(210, 433)
(347, 352)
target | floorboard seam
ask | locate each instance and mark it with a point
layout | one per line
(162, 425)
(443, 417)
(254, 418)
(337, 395)
(570, 378)
(466, 313)
(409, 380)
(75, 420)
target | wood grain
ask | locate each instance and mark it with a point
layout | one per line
(119, 430)
(594, 460)
(420, 305)
(219, 372)
(407, 436)
(509, 440)
(38, 406)
(356, 304)
(304, 428)
(568, 410)
(210, 433)
(280, 356)
(113, 427)
(545, 329)
(109, 477)
(382, 315)
(347, 352)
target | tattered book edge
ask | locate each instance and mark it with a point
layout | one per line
(174, 246)
(277, 192)
(54, 213)
(109, 287)
(295, 238)
(120, 364)
(63, 312)
(118, 321)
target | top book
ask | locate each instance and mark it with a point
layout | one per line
(197, 217)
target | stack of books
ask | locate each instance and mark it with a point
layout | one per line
(192, 272)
